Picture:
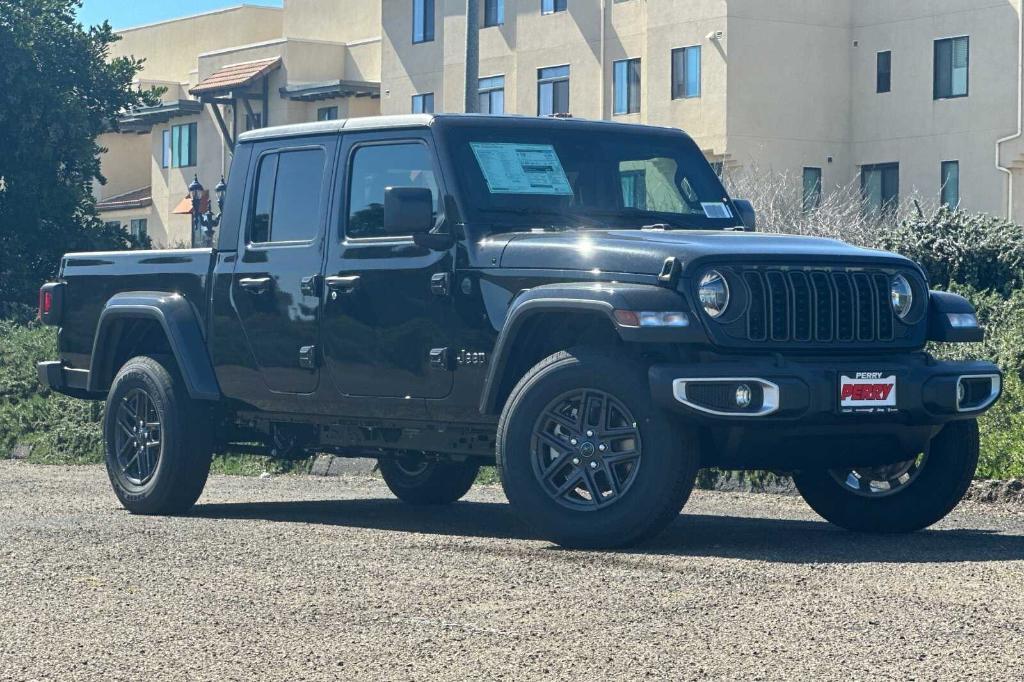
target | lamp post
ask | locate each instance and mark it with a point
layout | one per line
(204, 224)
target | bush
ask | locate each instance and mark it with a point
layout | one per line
(957, 248)
(59, 429)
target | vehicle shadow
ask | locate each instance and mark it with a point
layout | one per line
(698, 535)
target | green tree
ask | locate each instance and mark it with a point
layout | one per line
(59, 89)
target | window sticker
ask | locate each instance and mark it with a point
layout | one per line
(512, 168)
(716, 210)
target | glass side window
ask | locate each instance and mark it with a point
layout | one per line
(952, 62)
(289, 189)
(376, 168)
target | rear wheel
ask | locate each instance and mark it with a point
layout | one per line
(157, 452)
(415, 479)
(901, 497)
(586, 458)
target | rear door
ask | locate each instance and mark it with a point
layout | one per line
(387, 314)
(276, 290)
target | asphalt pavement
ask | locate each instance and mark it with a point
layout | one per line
(303, 578)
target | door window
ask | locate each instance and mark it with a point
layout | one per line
(375, 168)
(289, 189)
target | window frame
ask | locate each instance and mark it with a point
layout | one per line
(253, 196)
(167, 154)
(951, 40)
(421, 96)
(553, 81)
(490, 90)
(193, 145)
(143, 222)
(557, 6)
(887, 207)
(629, 94)
(429, 28)
(330, 108)
(817, 193)
(346, 199)
(499, 13)
(685, 50)
(879, 72)
(944, 182)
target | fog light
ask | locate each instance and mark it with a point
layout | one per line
(961, 393)
(744, 396)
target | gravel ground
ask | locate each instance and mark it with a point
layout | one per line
(294, 578)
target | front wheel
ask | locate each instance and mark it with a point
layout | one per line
(901, 497)
(417, 480)
(585, 456)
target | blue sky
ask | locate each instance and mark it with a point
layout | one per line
(127, 13)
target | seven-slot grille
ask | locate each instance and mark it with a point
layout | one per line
(818, 305)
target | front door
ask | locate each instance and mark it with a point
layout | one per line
(386, 315)
(276, 286)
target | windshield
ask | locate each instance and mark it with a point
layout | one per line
(544, 176)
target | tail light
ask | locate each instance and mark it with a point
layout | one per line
(51, 303)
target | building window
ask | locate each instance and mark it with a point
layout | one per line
(634, 188)
(880, 187)
(112, 224)
(626, 75)
(289, 189)
(327, 114)
(812, 189)
(422, 21)
(494, 12)
(167, 153)
(552, 6)
(140, 229)
(184, 145)
(952, 60)
(949, 190)
(553, 91)
(253, 121)
(492, 95)
(686, 72)
(883, 72)
(423, 103)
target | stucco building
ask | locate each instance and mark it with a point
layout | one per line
(912, 97)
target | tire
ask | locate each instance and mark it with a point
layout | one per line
(649, 491)
(166, 478)
(938, 483)
(423, 482)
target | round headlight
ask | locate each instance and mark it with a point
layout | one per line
(713, 293)
(902, 296)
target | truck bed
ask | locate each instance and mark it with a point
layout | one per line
(92, 278)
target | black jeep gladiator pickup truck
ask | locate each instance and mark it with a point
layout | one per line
(577, 302)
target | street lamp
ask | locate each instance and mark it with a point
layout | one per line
(203, 224)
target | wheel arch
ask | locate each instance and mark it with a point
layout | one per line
(549, 318)
(152, 323)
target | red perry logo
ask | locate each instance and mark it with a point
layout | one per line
(866, 392)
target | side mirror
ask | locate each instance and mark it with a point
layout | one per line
(408, 210)
(748, 216)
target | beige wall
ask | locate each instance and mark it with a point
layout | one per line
(131, 170)
(170, 47)
(337, 20)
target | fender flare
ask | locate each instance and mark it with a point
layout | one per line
(180, 324)
(940, 305)
(597, 298)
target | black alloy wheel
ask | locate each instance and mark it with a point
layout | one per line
(586, 449)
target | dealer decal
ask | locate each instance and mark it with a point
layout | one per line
(867, 392)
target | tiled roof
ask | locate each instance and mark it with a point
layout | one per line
(235, 76)
(137, 198)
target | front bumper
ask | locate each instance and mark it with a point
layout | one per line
(796, 418)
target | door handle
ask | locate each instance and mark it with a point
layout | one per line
(342, 285)
(256, 285)
(310, 286)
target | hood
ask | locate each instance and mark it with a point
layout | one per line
(645, 251)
